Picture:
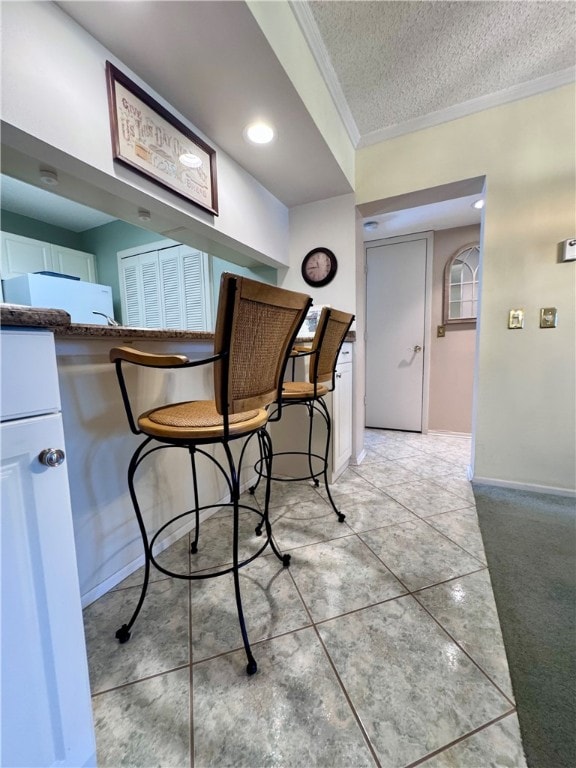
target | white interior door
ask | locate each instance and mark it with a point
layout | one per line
(396, 329)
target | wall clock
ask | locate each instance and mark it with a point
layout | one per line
(319, 267)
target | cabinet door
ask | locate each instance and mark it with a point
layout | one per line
(45, 692)
(342, 417)
(72, 262)
(21, 255)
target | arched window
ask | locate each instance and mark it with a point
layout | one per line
(461, 285)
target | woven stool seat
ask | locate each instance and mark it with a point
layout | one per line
(198, 419)
(302, 390)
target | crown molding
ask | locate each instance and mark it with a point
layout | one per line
(515, 93)
(311, 33)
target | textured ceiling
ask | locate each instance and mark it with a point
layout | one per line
(395, 62)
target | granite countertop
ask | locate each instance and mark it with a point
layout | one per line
(78, 331)
(20, 315)
(59, 321)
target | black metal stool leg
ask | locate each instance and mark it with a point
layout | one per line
(340, 515)
(194, 545)
(258, 466)
(268, 458)
(310, 407)
(251, 667)
(123, 634)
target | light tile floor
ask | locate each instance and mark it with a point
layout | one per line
(379, 646)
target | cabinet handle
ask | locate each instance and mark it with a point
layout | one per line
(338, 375)
(52, 457)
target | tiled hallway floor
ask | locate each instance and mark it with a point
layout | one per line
(379, 646)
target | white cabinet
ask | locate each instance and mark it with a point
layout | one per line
(72, 262)
(21, 255)
(291, 432)
(342, 412)
(46, 714)
(166, 288)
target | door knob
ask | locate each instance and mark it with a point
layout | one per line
(417, 348)
(52, 457)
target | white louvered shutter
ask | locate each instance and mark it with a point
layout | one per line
(192, 279)
(150, 290)
(167, 288)
(196, 290)
(171, 287)
(130, 292)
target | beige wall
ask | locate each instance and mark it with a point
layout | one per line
(334, 224)
(451, 357)
(331, 224)
(525, 399)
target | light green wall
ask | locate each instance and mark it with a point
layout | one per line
(105, 242)
(38, 230)
(525, 420)
(263, 274)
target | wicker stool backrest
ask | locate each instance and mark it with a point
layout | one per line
(256, 326)
(331, 331)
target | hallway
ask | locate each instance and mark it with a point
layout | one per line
(379, 646)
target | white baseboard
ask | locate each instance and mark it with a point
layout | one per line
(532, 487)
(356, 460)
(447, 433)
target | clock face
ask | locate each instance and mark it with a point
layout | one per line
(319, 267)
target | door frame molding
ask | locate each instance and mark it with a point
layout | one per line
(428, 236)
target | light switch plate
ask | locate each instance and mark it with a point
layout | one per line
(516, 319)
(569, 250)
(548, 317)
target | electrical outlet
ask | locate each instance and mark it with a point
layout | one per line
(548, 317)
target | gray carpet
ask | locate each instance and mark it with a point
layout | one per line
(530, 543)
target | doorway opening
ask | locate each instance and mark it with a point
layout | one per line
(420, 370)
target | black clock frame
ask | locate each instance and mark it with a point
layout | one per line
(331, 274)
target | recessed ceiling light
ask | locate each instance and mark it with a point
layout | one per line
(478, 204)
(190, 160)
(259, 133)
(370, 226)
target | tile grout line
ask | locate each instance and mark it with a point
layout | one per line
(355, 714)
(454, 640)
(460, 739)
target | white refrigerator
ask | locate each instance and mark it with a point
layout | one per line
(79, 298)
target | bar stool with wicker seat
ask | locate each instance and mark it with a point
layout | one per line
(255, 329)
(331, 331)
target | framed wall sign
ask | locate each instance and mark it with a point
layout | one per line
(151, 141)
